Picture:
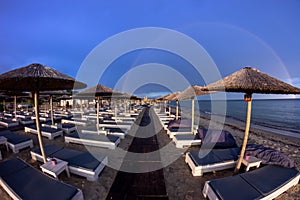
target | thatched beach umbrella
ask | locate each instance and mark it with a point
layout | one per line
(15, 94)
(35, 78)
(174, 97)
(249, 81)
(163, 99)
(51, 93)
(190, 93)
(96, 91)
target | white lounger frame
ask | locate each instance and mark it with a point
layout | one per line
(209, 193)
(199, 170)
(94, 143)
(50, 136)
(8, 125)
(16, 147)
(15, 196)
(186, 143)
(90, 175)
(26, 122)
(66, 130)
(171, 134)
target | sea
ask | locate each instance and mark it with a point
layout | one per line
(280, 115)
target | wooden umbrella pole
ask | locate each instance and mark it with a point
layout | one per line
(15, 106)
(116, 112)
(81, 108)
(51, 109)
(165, 106)
(248, 99)
(97, 118)
(4, 107)
(193, 115)
(176, 109)
(37, 120)
(169, 108)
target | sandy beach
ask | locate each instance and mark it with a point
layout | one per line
(180, 184)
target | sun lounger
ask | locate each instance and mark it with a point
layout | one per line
(15, 141)
(179, 130)
(26, 121)
(105, 141)
(179, 127)
(214, 160)
(9, 122)
(113, 124)
(42, 118)
(79, 162)
(22, 181)
(48, 132)
(107, 131)
(264, 183)
(186, 140)
(67, 128)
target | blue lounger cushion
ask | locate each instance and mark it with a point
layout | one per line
(44, 129)
(77, 158)
(14, 165)
(187, 137)
(14, 138)
(269, 178)
(256, 184)
(67, 125)
(29, 183)
(214, 156)
(48, 149)
(234, 188)
(180, 129)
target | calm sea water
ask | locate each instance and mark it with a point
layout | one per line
(283, 114)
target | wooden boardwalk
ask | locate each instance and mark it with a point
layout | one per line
(148, 185)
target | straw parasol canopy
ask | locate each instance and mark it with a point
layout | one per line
(51, 93)
(97, 91)
(250, 80)
(190, 93)
(174, 97)
(37, 77)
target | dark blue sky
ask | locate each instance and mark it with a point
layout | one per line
(60, 34)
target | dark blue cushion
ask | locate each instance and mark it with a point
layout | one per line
(77, 158)
(29, 183)
(234, 188)
(48, 149)
(269, 178)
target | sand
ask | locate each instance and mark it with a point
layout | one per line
(180, 183)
